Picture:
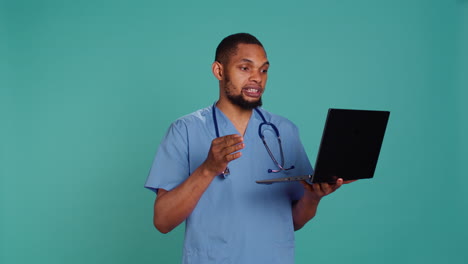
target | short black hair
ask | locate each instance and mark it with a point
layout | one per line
(228, 45)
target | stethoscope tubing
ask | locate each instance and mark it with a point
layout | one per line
(262, 137)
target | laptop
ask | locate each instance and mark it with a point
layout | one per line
(349, 149)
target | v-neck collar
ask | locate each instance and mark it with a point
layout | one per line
(225, 123)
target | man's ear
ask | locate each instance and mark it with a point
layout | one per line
(217, 69)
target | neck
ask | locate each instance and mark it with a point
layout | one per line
(238, 116)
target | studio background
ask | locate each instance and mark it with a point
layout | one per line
(88, 89)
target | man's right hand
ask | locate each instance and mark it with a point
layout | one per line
(172, 207)
(222, 151)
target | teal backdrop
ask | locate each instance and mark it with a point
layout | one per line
(88, 89)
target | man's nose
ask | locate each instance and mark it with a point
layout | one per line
(256, 76)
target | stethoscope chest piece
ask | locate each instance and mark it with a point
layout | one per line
(226, 173)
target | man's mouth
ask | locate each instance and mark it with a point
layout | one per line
(252, 91)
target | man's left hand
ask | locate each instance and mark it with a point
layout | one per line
(317, 191)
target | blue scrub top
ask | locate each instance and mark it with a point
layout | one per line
(236, 219)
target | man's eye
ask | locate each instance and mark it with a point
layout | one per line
(244, 68)
(265, 71)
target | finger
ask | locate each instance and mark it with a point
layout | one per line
(233, 156)
(218, 145)
(350, 181)
(317, 188)
(338, 184)
(224, 139)
(326, 188)
(231, 140)
(306, 185)
(232, 149)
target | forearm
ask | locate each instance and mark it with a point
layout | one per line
(171, 208)
(304, 210)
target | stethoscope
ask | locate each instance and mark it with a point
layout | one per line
(262, 136)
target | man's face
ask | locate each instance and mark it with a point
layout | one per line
(245, 76)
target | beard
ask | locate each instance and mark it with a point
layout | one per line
(244, 104)
(239, 99)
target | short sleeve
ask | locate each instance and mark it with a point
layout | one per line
(170, 166)
(303, 166)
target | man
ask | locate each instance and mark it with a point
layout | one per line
(205, 170)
